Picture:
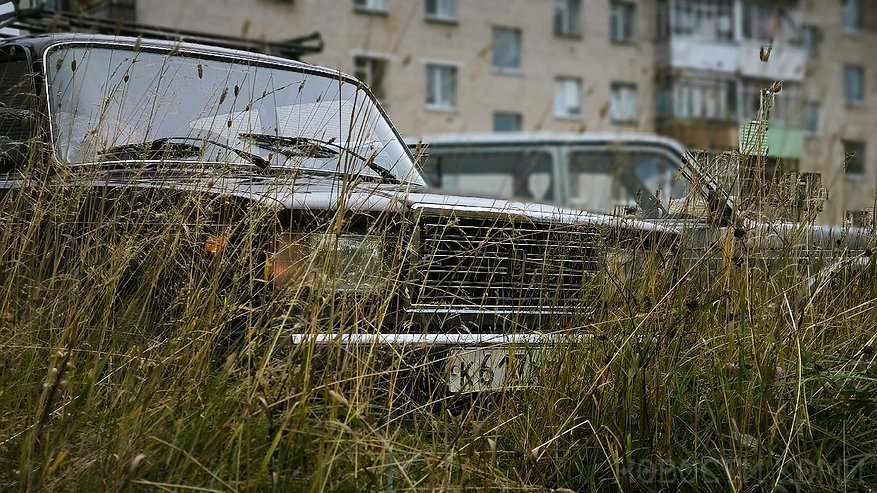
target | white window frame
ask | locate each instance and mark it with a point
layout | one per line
(566, 89)
(703, 99)
(567, 17)
(446, 98)
(622, 15)
(517, 45)
(709, 21)
(370, 5)
(441, 10)
(623, 107)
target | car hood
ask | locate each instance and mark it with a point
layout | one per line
(314, 193)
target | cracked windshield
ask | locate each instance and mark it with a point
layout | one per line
(111, 105)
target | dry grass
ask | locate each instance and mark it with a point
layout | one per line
(117, 373)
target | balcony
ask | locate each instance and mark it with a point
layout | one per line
(740, 58)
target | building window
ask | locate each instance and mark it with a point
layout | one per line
(371, 71)
(441, 86)
(812, 37)
(568, 97)
(567, 17)
(623, 105)
(664, 104)
(662, 20)
(852, 16)
(708, 20)
(370, 5)
(854, 157)
(705, 99)
(441, 10)
(504, 121)
(811, 117)
(854, 84)
(622, 22)
(506, 49)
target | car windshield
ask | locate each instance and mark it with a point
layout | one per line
(109, 103)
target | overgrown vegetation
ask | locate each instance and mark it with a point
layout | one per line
(118, 372)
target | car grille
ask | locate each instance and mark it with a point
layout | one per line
(503, 262)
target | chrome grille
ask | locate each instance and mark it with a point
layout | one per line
(503, 262)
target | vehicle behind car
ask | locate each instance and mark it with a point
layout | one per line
(654, 179)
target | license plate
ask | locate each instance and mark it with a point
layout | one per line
(481, 369)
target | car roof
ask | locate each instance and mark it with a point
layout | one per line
(41, 42)
(549, 138)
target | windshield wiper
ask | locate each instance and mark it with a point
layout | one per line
(312, 147)
(175, 148)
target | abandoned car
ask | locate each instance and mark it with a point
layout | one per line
(279, 186)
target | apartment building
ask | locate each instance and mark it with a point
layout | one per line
(689, 69)
(449, 65)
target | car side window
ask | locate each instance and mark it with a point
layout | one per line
(17, 107)
(501, 173)
(603, 180)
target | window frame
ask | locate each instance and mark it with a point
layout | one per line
(689, 99)
(696, 12)
(517, 38)
(567, 18)
(510, 114)
(560, 90)
(851, 16)
(442, 94)
(811, 40)
(441, 14)
(619, 87)
(379, 7)
(857, 100)
(622, 16)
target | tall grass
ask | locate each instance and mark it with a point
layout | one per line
(702, 371)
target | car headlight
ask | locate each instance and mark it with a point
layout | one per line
(341, 262)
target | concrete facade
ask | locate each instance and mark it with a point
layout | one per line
(409, 40)
(840, 120)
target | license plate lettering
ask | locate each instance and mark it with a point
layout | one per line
(480, 369)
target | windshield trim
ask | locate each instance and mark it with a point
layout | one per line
(412, 177)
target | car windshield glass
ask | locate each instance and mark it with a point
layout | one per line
(106, 99)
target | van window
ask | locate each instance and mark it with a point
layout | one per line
(17, 107)
(513, 173)
(603, 180)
